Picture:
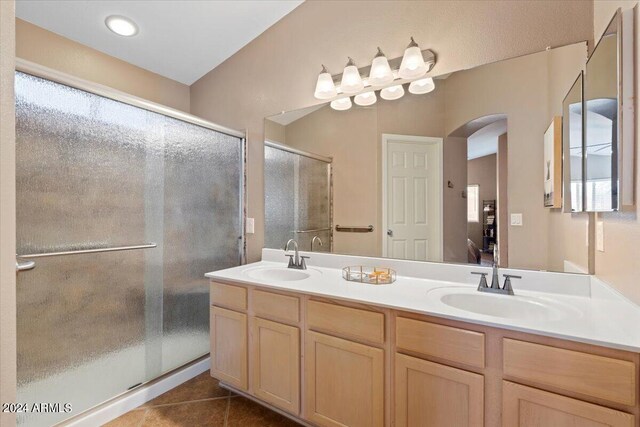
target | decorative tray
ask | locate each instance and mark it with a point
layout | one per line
(370, 275)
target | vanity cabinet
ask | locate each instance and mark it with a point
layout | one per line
(344, 382)
(229, 346)
(529, 407)
(435, 395)
(334, 363)
(275, 363)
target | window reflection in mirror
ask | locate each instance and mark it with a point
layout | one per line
(601, 123)
(572, 133)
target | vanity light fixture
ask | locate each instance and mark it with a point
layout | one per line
(380, 73)
(121, 25)
(325, 88)
(341, 104)
(413, 64)
(384, 75)
(422, 86)
(366, 98)
(392, 92)
(351, 80)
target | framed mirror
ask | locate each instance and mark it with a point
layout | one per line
(601, 100)
(451, 175)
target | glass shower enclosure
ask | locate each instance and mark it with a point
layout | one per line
(123, 209)
(298, 203)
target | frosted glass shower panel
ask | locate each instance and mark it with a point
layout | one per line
(202, 229)
(95, 173)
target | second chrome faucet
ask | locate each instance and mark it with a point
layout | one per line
(295, 261)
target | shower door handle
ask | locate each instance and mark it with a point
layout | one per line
(25, 265)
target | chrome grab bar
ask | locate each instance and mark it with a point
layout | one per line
(25, 265)
(90, 251)
(313, 230)
(354, 228)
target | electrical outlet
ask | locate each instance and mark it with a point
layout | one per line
(516, 219)
(600, 235)
(250, 226)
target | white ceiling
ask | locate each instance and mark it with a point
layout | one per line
(484, 141)
(178, 39)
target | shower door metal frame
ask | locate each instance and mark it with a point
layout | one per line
(47, 73)
(314, 156)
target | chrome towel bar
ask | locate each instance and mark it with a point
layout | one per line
(354, 228)
(90, 251)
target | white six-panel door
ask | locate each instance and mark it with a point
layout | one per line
(412, 220)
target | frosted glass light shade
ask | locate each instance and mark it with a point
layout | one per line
(419, 87)
(325, 88)
(412, 65)
(351, 80)
(341, 104)
(380, 73)
(392, 92)
(364, 99)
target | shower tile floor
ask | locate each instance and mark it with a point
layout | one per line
(201, 402)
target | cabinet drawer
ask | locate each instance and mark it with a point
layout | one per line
(596, 376)
(228, 296)
(444, 342)
(346, 321)
(274, 306)
(528, 407)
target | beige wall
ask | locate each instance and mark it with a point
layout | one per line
(482, 171)
(502, 174)
(7, 212)
(43, 47)
(618, 264)
(274, 132)
(454, 159)
(277, 70)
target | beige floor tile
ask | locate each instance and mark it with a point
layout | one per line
(245, 413)
(130, 419)
(198, 388)
(204, 413)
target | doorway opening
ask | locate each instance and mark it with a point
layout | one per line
(475, 202)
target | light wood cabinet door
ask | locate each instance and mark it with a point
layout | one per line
(529, 407)
(275, 364)
(433, 395)
(344, 382)
(229, 347)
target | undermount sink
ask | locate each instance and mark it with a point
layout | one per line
(279, 274)
(505, 306)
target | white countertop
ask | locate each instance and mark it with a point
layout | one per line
(595, 314)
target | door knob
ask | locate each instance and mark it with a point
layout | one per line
(390, 232)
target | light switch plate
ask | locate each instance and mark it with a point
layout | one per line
(516, 219)
(250, 226)
(600, 236)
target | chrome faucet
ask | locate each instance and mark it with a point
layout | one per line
(295, 261)
(314, 239)
(506, 289)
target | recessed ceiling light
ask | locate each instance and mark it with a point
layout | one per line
(121, 25)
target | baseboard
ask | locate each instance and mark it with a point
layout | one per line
(125, 402)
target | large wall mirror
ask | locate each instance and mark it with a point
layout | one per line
(453, 175)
